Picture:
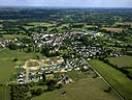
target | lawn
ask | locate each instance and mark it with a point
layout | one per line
(83, 89)
(117, 79)
(7, 65)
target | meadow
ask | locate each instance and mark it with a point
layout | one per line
(13, 36)
(123, 61)
(4, 93)
(84, 89)
(8, 65)
(117, 79)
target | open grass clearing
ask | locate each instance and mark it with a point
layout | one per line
(13, 36)
(7, 65)
(4, 93)
(124, 61)
(83, 89)
(117, 79)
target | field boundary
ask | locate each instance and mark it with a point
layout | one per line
(115, 90)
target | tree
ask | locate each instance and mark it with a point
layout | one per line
(51, 84)
(12, 46)
(44, 76)
(19, 92)
(36, 92)
(54, 30)
(108, 89)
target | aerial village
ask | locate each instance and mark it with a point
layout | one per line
(35, 70)
(65, 54)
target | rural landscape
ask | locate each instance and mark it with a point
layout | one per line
(65, 53)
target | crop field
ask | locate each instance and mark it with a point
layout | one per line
(117, 79)
(110, 29)
(83, 89)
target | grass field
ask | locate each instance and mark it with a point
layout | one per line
(124, 61)
(7, 65)
(83, 89)
(14, 36)
(41, 24)
(117, 79)
(4, 93)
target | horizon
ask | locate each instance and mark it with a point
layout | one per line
(68, 7)
(67, 3)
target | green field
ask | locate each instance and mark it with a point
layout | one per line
(83, 89)
(14, 36)
(41, 24)
(124, 61)
(7, 65)
(117, 79)
(4, 93)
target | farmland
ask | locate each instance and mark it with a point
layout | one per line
(14, 36)
(124, 61)
(111, 29)
(7, 65)
(48, 54)
(4, 93)
(117, 79)
(82, 89)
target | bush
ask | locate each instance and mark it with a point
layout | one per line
(37, 57)
(51, 84)
(15, 59)
(41, 82)
(108, 89)
(19, 92)
(36, 92)
(129, 75)
(59, 86)
(95, 75)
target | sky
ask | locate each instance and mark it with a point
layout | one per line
(67, 3)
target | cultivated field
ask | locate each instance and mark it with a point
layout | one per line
(111, 29)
